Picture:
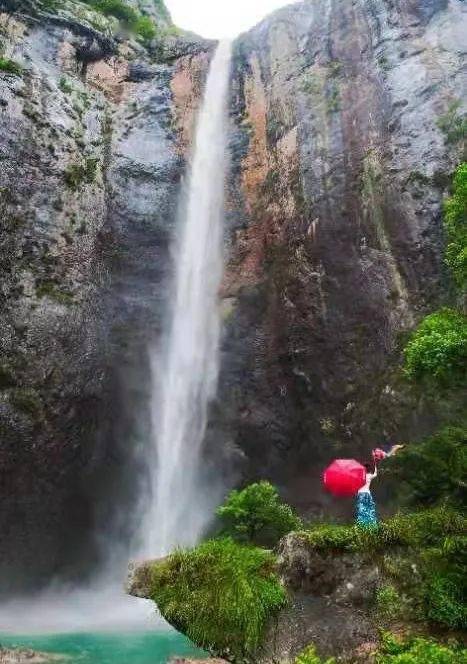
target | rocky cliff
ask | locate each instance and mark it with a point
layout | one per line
(92, 150)
(343, 136)
(344, 140)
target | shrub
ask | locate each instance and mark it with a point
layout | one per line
(256, 514)
(452, 124)
(455, 223)
(310, 656)
(388, 602)
(65, 85)
(437, 350)
(145, 28)
(10, 67)
(220, 594)
(76, 174)
(418, 651)
(433, 471)
(118, 9)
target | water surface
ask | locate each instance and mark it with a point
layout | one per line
(151, 647)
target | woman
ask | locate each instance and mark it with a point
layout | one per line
(365, 513)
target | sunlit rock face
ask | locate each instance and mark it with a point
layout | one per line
(339, 172)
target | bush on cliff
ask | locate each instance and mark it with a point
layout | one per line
(434, 470)
(310, 656)
(437, 351)
(418, 651)
(220, 594)
(455, 224)
(256, 514)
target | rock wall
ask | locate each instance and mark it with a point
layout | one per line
(339, 169)
(333, 238)
(91, 156)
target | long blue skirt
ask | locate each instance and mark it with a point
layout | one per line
(365, 512)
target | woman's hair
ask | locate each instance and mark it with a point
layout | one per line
(369, 467)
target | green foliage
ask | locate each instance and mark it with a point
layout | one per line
(76, 174)
(418, 651)
(455, 224)
(256, 514)
(434, 470)
(51, 290)
(444, 598)
(437, 350)
(388, 602)
(118, 9)
(310, 656)
(452, 124)
(220, 594)
(65, 85)
(418, 529)
(10, 67)
(145, 28)
(27, 401)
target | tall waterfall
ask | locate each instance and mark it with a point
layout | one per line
(185, 372)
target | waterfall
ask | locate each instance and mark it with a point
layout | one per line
(185, 373)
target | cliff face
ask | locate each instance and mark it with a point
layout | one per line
(91, 156)
(340, 166)
(333, 233)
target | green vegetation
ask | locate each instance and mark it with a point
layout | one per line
(419, 651)
(452, 124)
(455, 224)
(310, 656)
(77, 174)
(7, 377)
(65, 85)
(437, 350)
(257, 515)
(27, 401)
(145, 28)
(422, 555)
(51, 290)
(141, 25)
(10, 67)
(220, 594)
(434, 470)
(412, 530)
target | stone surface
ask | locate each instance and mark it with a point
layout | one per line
(26, 656)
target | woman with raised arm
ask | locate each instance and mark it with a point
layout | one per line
(365, 512)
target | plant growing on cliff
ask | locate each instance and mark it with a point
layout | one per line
(455, 224)
(10, 67)
(434, 470)
(453, 124)
(310, 656)
(438, 348)
(418, 651)
(256, 514)
(76, 174)
(220, 594)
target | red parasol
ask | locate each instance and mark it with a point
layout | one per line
(344, 477)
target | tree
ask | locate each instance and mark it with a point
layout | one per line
(256, 514)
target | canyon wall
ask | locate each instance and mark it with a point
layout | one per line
(341, 155)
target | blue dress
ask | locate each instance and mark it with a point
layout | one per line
(365, 512)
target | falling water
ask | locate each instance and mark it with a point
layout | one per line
(185, 373)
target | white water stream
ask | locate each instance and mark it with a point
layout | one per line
(185, 372)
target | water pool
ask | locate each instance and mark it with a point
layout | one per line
(149, 647)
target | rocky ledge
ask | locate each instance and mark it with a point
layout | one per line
(26, 656)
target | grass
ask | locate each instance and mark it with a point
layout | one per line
(220, 594)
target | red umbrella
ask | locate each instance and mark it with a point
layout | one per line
(344, 477)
